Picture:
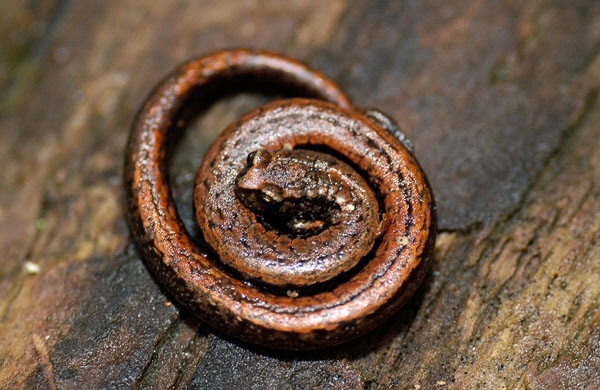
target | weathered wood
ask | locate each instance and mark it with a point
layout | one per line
(500, 98)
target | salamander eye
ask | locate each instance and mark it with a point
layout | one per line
(271, 194)
(266, 199)
(259, 158)
(250, 158)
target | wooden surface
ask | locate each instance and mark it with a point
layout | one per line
(499, 97)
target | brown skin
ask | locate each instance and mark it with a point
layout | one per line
(330, 313)
(313, 217)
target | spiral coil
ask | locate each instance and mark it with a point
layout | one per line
(305, 302)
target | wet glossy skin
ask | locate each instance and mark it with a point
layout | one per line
(316, 218)
(345, 305)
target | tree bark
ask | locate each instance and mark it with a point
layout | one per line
(499, 97)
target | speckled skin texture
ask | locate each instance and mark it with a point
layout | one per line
(325, 215)
(328, 314)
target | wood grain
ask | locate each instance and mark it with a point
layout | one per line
(499, 97)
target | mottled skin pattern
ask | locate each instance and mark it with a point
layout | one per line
(342, 309)
(318, 215)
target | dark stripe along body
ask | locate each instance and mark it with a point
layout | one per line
(367, 295)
